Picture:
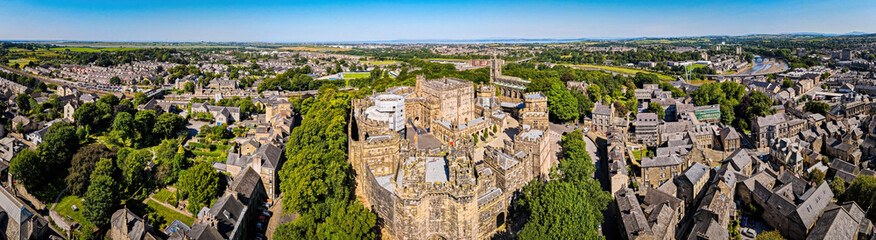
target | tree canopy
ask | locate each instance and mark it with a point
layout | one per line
(571, 206)
(103, 193)
(317, 180)
(83, 164)
(817, 107)
(201, 183)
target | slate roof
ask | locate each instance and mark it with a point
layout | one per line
(137, 228)
(695, 172)
(202, 231)
(729, 133)
(835, 223)
(600, 109)
(633, 218)
(270, 155)
(661, 161)
(771, 120)
(709, 229)
(656, 197)
(245, 183)
(227, 211)
(740, 159)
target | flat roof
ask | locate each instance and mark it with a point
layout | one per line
(436, 169)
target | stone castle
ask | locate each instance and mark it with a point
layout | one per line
(420, 168)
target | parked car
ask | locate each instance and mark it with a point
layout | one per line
(749, 233)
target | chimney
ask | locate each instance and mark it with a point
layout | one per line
(257, 163)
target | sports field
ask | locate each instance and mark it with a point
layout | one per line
(356, 75)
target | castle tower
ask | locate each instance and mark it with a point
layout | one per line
(495, 68)
(535, 111)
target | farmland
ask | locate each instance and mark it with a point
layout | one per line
(622, 70)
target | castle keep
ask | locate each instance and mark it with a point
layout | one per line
(420, 168)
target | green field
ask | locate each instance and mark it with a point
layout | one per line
(623, 70)
(356, 75)
(169, 214)
(382, 62)
(162, 195)
(64, 209)
(447, 59)
(85, 49)
(217, 154)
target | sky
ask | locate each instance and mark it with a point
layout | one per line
(383, 20)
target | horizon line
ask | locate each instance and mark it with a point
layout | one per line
(449, 40)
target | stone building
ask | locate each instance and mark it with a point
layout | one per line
(769, 129)
(646, 128)
(510, 88)
(126, 225)
(691, 182)
(535, 111)
(730, 140)
(424, 182)
(660, 169)
(631, 220)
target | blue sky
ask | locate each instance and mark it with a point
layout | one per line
(325, 20)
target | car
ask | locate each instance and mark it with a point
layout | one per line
(749, 233)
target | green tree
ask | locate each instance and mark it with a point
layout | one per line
(125, 126)
(656, 108)
(23, 102)
(168, 125)
(87, 115)
(59, 144)
(571, 206)
(817, 107)
(201, 183)
(837, 186)
(102, 195)
(594, 92)
(561, 104)
(115, 80)
(753, 105)
(863, 191)
(816, 176)
(140, 98)
(190, 87)
(134, 169)
(770, 235)
(83, 164)
(348, 221)
(27, 168)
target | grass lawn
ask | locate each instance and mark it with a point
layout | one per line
(23, 60)
(638, 154)
(169, 214)
(698, 82)
(624, 70)
(356, 75)
(64, 209)
(217, 153)
(162, 195)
